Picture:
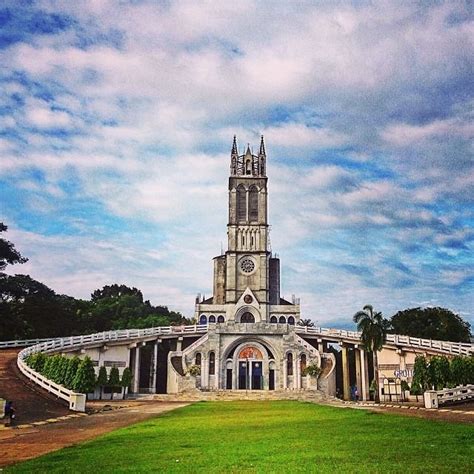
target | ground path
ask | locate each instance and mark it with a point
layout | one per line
(31, 402)
(30, 441)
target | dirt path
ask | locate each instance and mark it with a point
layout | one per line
(31, 402)
(462, 413)
(29, 442)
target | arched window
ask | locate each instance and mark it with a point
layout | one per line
(302, 363)
(282, 320)
(248, 167)
(253, 203)
(220, 319)
(247, 318)
(241, 204)
(198, 358)
(291, 320)
(273, 319)
(203, 319)
(212, 318)
(212, 363)
(289, 363)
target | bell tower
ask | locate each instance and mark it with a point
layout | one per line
(247, 256)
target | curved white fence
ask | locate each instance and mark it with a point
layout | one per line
(21, 343)
(446, 347)
(77, 401)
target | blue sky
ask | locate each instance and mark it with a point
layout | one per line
(116, 122)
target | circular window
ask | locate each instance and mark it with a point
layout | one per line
(247, 265)
(248, 299)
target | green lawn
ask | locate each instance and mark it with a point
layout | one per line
(270, 437)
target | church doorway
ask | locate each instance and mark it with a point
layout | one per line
(250, 364)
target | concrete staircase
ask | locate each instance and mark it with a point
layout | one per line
(227, 395)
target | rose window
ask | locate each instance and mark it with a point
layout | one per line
(247, 265)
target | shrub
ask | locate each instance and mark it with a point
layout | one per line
(439, 372)
(36, 361)
(126, 380)
(114, 378)
(312, 369)
(71, 369)
(84, 380)
(416, 388)
(194, 370)
(421, 375)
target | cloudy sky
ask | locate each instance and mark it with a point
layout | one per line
(116, 122)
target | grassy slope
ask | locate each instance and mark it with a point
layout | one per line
(270, 437)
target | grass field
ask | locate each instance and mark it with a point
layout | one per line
(270, 437)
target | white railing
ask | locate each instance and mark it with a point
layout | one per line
(461, 348)
(77, 401)
(21, 343)
(434, 398)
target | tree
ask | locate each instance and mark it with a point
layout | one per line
(421, 376)
(126, 380)
(306, 323)
(404, 387)
(8, 254)
(462, 370)
(114, 379)
(431, 323)
(84, 380)
(439, 372)
(72, 366)
(416, 389)
(373, 327)
(102, 379)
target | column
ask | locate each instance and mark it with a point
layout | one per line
(298, 374)
(285, 374)
(179, 344)
(358, 371)
(345, 373)
(295, 372)
(364, 390)
(136, 370)
(154, 366)
(320, 346)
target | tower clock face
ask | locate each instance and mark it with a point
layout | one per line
(247, 265)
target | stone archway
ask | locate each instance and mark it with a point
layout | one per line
(247, 314)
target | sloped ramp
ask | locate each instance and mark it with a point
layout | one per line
(31, 402)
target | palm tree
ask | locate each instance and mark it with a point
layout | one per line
(373, 327)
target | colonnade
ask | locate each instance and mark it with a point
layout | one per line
(153, 371)
(361, 372)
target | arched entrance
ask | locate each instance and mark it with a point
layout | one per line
(250, 360)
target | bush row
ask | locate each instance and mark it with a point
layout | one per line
(75, 373)
(439, 372)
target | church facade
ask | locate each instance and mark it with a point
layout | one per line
(251, 342)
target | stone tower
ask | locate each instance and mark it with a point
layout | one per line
(246, 285)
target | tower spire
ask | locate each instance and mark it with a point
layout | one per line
(234, 146)
(234, 158)
(262, 147)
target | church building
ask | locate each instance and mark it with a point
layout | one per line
(251, 342)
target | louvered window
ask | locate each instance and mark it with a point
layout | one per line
(253, 203)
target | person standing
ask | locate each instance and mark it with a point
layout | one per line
(10, 412)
